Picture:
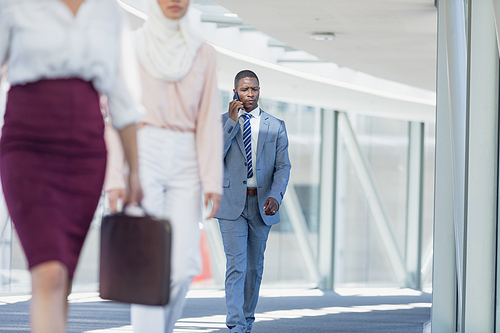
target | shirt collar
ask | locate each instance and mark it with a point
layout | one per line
(255, 112)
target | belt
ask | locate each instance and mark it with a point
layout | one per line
(251, 191)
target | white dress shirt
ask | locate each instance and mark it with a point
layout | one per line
(254, 126)
(42, 39)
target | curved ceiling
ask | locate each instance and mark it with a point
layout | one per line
(390, 39)
(349, 91)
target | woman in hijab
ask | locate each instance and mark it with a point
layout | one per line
(59, 56)
(179, 143)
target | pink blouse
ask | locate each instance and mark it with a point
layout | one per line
(189, 105)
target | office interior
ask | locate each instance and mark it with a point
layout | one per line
(392, 114)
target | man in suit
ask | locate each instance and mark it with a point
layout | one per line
(256, 173)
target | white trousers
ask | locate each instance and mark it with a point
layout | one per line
(171, 184)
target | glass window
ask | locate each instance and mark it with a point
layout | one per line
(284, 258)
(361, 255)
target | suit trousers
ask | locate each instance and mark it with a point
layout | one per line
(169, 175)
(244, 244)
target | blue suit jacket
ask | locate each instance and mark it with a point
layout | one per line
(272, 167)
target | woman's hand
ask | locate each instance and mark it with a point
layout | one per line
(129, 142)
(131, 197)
(215, 198)
(134, 195)
(113, 197)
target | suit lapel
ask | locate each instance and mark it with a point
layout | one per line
(263, 129)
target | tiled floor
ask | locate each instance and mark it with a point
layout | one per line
(279, 310)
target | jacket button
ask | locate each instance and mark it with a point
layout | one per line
(246, 163)
(244, 182)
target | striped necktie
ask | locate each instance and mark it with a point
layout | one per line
(247, 141)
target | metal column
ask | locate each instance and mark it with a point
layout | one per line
(326, 258)
(414, 209)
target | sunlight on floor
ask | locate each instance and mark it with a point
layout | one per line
(208, 324)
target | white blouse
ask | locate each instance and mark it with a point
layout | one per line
(42, 39)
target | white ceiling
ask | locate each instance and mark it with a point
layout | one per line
(238, 46)
(290, 86)
(389, 39)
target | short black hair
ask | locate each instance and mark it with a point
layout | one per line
(243, 74)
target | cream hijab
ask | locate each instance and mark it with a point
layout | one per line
(166, 47)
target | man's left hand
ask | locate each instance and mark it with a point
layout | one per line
(271, 206)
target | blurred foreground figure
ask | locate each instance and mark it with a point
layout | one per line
(59, 55)
(179, 143)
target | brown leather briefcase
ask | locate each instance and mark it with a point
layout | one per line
(135, 259)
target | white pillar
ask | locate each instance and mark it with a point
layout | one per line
(481, 199)
(457, 87)
(444, 265)
(473, 104)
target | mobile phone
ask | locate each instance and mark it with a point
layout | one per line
(236, 97)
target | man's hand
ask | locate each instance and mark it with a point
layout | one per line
(113, 197)
(215, 198)
(271, 206)
(234, 106)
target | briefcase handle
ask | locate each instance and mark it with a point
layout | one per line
(134, 210)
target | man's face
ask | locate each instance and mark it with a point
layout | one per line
(248, 92)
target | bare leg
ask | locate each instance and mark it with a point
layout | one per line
(68, 292)
(48, 306)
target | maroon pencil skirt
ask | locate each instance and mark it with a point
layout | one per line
(52, 165)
